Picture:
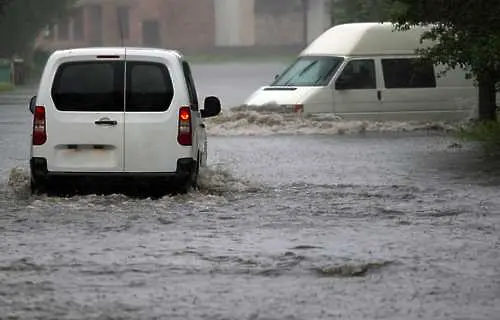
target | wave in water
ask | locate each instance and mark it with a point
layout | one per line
(270, 121)
(213, 181)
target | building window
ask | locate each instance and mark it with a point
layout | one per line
(78, 25)
(123, 13)
(63, 29)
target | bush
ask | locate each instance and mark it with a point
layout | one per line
(6, 86)
(487, 133)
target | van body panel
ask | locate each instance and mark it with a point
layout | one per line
(360, 95)
(85, 137)
(399, 87)
(150, 136)
(319, 100)
(367, 39)
(280, 95)
(74, 140)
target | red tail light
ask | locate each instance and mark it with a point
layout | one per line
(184, 136)
(39, 126)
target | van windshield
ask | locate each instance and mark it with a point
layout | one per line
(309, 71)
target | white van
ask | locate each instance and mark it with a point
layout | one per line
(105, 114)
(370, 71)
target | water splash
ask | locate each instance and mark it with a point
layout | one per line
(216, 181)
(245, 121)
(18, 184)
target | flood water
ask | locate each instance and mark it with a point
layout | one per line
(295, 219)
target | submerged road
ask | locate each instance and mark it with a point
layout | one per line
(320, 221)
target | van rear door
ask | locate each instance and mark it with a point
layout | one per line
(85, 115)
(151, 114)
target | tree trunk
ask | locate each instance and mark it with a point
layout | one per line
(487, 99)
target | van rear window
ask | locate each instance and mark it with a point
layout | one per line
(89, 86)
(149, 87)
(98, 86)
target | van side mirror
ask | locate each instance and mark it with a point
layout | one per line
(32, 104)
(276, 76)
(212, 107)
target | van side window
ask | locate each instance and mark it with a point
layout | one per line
(408, 73)
(89, 86)
(358, 74)
(193, 96)
(149, 87)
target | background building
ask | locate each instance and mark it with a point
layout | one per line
(190, 25)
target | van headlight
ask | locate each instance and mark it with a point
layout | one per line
(292, 108)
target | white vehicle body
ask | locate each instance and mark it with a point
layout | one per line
(117, 112)
(370, 71)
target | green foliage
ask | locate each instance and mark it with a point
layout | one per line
(467, 31)
(22, 20)
(467, 35)
(6, 86)
(487, 133)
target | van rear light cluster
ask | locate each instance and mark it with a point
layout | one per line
(185, 134)
(39, 126)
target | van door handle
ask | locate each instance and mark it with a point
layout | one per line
(106, 122)
(202, 125)
(379, 95)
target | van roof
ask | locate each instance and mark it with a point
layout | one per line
(368, 38)
(115, 50)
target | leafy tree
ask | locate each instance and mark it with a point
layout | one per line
(22, 20)
(468, 36)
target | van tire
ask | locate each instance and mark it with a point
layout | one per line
(38, 188)
(191, 182)
(196, 173)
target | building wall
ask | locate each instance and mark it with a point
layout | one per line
(193, 25)
(234, 23)
(189, 24)
(180, 24)
(279, 22)
(290, 22)
(319, 18)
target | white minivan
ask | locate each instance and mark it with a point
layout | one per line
(115, 114)
(370, 71)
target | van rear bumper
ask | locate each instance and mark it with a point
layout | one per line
(40, 173)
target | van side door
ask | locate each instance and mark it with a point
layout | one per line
(199, 132)
(355, 89)
(410, 86)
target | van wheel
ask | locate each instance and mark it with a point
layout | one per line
(38, 188)
(195, 175)
(191, 182)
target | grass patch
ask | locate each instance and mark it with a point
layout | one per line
(6, 86)
(487, 133)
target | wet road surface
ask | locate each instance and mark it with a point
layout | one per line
(295, 219)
